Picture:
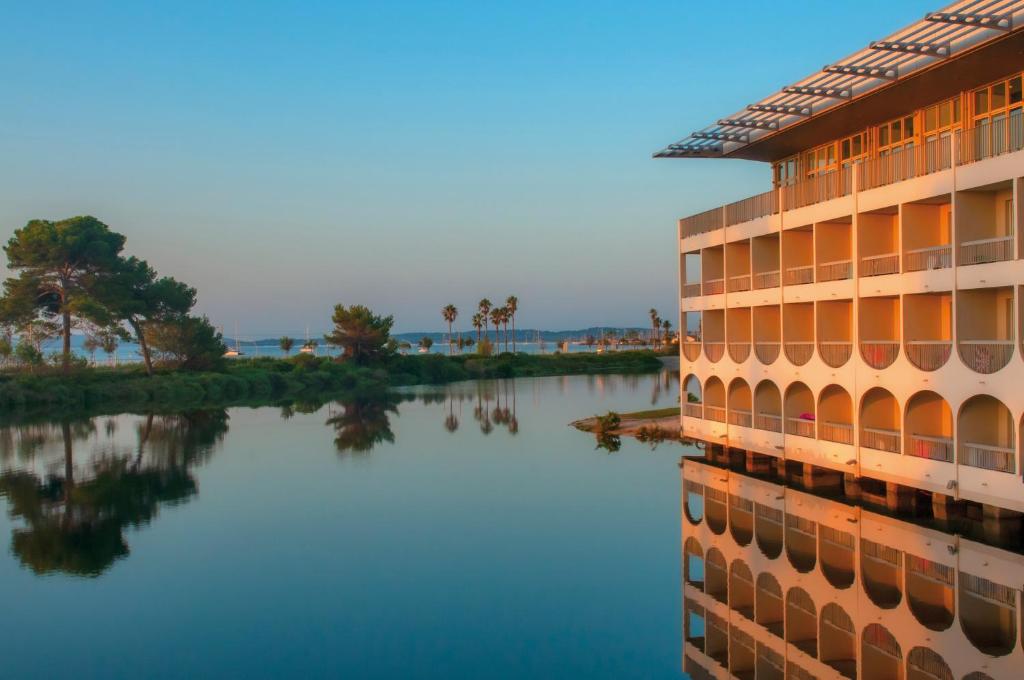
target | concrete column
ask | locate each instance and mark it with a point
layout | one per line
(756, 464)
(816, 478)
(851, 486)
(943, 506)
(899, 498)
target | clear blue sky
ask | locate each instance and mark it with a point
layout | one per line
(282, 157)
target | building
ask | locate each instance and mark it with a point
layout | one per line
(863, 317)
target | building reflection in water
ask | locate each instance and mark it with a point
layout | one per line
(782, 583)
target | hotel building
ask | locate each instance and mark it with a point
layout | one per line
(861, 320)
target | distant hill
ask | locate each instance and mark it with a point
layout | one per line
(521, 335)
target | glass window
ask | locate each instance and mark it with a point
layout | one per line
(981, 101)
(894, 132)
(944, 114)
(844, 151)
(998, 96)
(930, 117)
(858, 145)
(956, 110)
(908, 127)
(883, 135)
(831, 154)
(1015, 90)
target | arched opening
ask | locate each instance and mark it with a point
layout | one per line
(694, 623)
(838, 556)
(693, 563)
(879, 330)
(716, 577)
(694, 505)
(801, 542)
(880, 421)
(924, 663)
(799, 409)
(715, 510)
(692, 405)
(928, 329)
(737, 329)
(835, 331)
(770, 664)
(691, 343)
(881, 656)
(768, 607)
(988, 614)
(767, 326)
(985, 327)
(986, 435)
(740, 403)
(802, 621)
(880, 568)
(741, 589)
(798, 332)
(767, 407)
(717, 641)
(835, 415)
(837, 640)
(929, 427)
(742, 654)
(713, 329)
(768, 530)
(930, 593)
(714, 399)
(741, 519)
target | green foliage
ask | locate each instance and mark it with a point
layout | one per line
(485, 348)
(190, 343)
(426, 342)
(362, 335)
(608, 422)
(286, 344)
(27, 354)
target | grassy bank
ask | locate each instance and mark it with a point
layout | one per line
(255, 380)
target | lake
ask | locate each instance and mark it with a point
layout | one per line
(457, 532)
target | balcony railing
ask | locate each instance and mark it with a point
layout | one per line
(835, 354)
(880, 439)
(740, 283)
(796, 276)
(739, 417)
(824, 187)
(841, 433)
(986, 356)
(714, 286)
(984, 250)
(878, 265)
(932, 448)
(693, 410)
(752, 208)
(764, 280)
(709, 220)
(988, 457)
(766, 352)
(932, 257)
(691, 290)
(932, 156)
(990, 139)
(929, 355)
(691, 350)
(839, 270)
(714, 350)
(715, 413)
(879, 353)
(739, 351)
(769, 422)
(800, 427)
(799, 353)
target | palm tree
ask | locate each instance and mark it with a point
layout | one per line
(654, 323)
(478, 323)
(485, 308)
(667, 326)
(512, 305)
(449, 313)
(496, 315)
(286, 344)
(506, 315)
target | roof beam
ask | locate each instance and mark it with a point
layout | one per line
(939, 49)
(740, 137)
(816, 91)
(689, 151)
(998, 22)
(868, 71)
(789, 109)
(752, 123)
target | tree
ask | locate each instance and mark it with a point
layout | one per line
(60, 266)
(497, 314)
(512, 305)
(666, 325)
(190, 343)
(654, 323)
(485, 308)
(449, 313)
(426, 342)
(286, 345)
(362, 335)
(109, 340)
(90, 345)
(478, 323)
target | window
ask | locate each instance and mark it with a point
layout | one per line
(997, 118)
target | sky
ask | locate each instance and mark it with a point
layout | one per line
(286, 157)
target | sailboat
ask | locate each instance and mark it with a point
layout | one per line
(237, 351)
(306, 347)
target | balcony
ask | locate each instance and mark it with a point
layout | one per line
(986, 356)
(840, 433)
(932, 156)
(797, 276)
(835, 354)
(691, 290)
(799, 353)
(714, 286)
(752, 208)
(739, 284)
(801, 427)
(824, 187)
(764, 280)
(693, 410)
(929, 355)
(740, 418)
(715, 413)
(987, 457)
(990, 140)
(701, 223)
(932, 257)
(878, 265)
(769, 422)
(880, 439)
(932, 448)
(840, 270)
(691, 350)
(879, 353)
(714, 351)
(739, 351)
(766, 352)
(985, 250)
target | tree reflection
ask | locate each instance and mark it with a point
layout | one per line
(364, 422)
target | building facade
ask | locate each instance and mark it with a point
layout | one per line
(863, 317)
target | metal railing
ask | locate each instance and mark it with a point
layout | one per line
(878, 265)
(984, 250)
(714, 350)
(929, 355)
(762, 280)
(766, 352)
(740, 283)
(988, 457)
(839, 270)
(769, 422)
(691, 290)
(751, 208)
(716, 413)
(799, 353)
(691, 350)
(904, 164)
(714, 286)
(880, 439)
(693, 410)
(800, 427)
(739, 351)
(986, 356)
(932, 448)
(879, 353)
(841, 433)
(797, 276)
(701, 223)
(835, 353)
(990, 139)
(824, 187)
(932, 257)
(739, 417)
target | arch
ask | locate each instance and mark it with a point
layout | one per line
(692, 386)
(802, 621)
(837, 551)
(835, 415)
(801, 543)
(768, 406)
(924, 663)
(931, 594)
(881, 656)
(769, 608)
(693, 563)
(928, 431)
(985, 429)
(837, 640)
(977, 675)
(798, 407)
(716, 575)
(715, 511)
(693, 508)
(880, 568)
(880, 421)
(741, 519)
(740, 403)
(768, 530)
(741, 589)
(988, 614)
(714, 399)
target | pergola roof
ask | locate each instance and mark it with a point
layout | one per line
(941, 36)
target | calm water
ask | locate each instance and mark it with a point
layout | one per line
(452, 532)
